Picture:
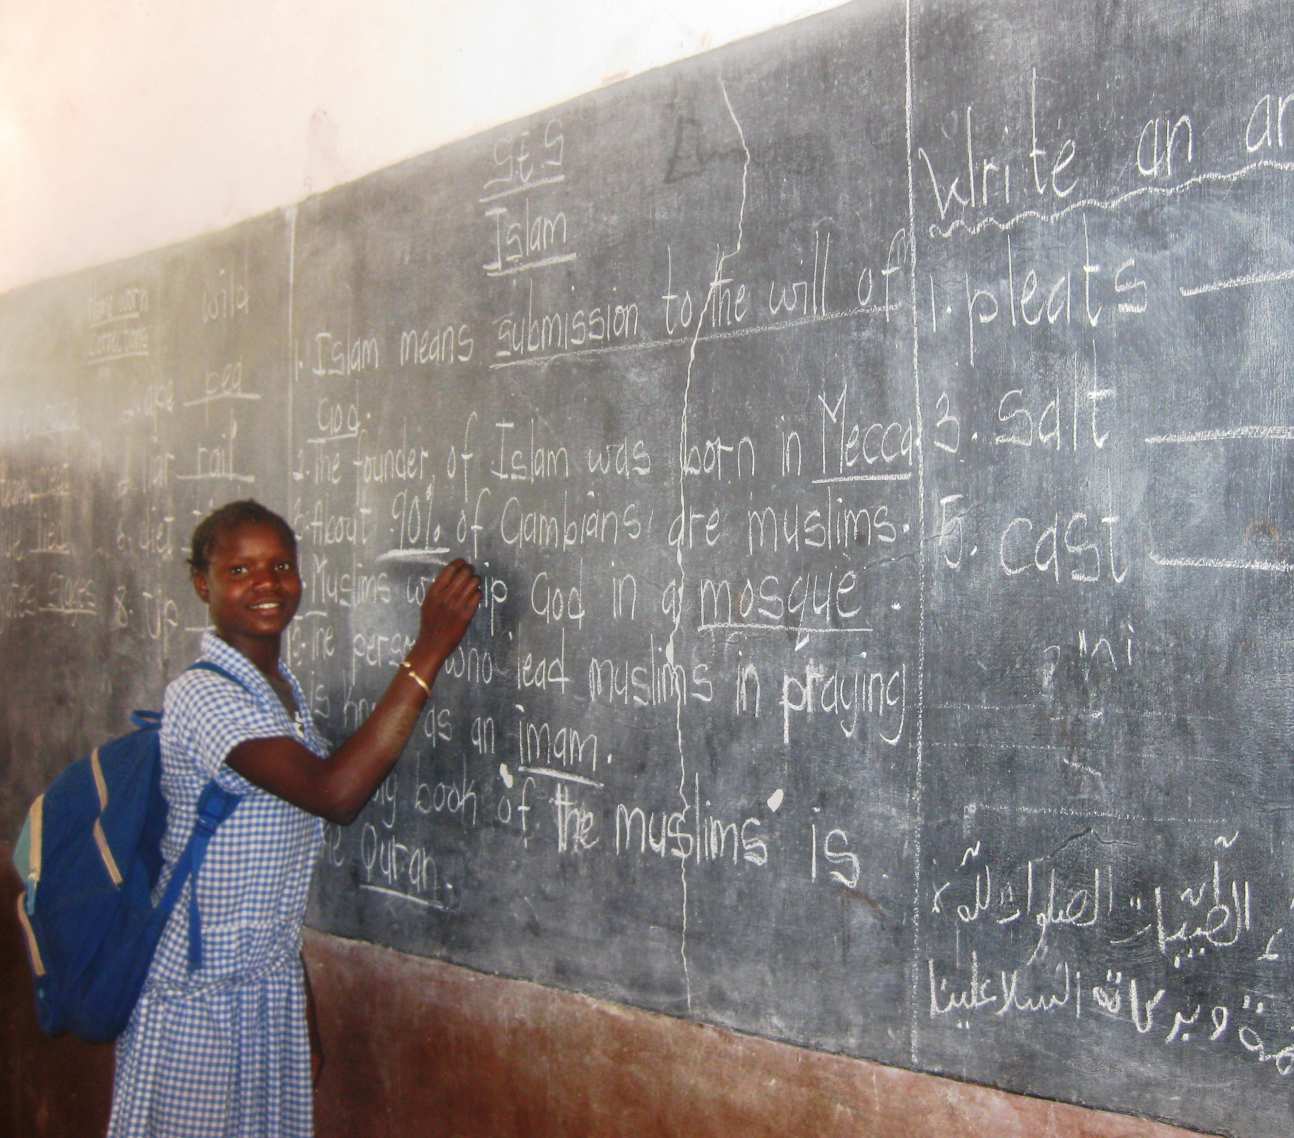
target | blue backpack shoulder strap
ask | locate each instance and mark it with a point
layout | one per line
(208, 666)
(215, 804)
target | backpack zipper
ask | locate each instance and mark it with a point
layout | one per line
(100, 838)
(33, 949)
(35, 840)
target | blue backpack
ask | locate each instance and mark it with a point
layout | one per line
(89, 855)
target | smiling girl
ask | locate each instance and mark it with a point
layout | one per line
(225, 1050)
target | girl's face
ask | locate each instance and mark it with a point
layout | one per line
(251, 587)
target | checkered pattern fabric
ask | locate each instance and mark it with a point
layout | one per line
(223, 1052)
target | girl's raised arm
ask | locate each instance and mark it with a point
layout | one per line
(336, 788)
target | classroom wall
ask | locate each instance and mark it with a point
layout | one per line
(129, 126)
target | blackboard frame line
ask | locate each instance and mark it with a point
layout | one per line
(916, 798)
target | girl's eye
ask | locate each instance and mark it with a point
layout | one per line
(285, 566)
(237, 570)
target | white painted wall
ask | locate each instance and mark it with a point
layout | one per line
(130, 124)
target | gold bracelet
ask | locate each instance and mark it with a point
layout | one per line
(417, 679)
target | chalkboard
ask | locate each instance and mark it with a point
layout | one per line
(136, 396)
(873, 440)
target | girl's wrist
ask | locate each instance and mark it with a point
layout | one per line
(424, 661)
(413, 674)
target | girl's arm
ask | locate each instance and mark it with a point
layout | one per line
(337, 788)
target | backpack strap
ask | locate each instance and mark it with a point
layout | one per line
(215, 804)
(208, 666)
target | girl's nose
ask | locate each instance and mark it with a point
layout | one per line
(264, 579)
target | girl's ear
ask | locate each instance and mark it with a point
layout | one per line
(200, 587)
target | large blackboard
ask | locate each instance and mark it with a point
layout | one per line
(873, 437)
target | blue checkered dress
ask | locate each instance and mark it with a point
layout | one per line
(223, 1052)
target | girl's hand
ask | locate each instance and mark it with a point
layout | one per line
(338, 788)
(447, 610)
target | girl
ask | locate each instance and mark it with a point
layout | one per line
(225, 1051)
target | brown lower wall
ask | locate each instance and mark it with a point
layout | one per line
(416, 1048)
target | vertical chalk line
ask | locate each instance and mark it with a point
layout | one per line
(720, 259)
(355, 560)
(674, 632)
(918, 775)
